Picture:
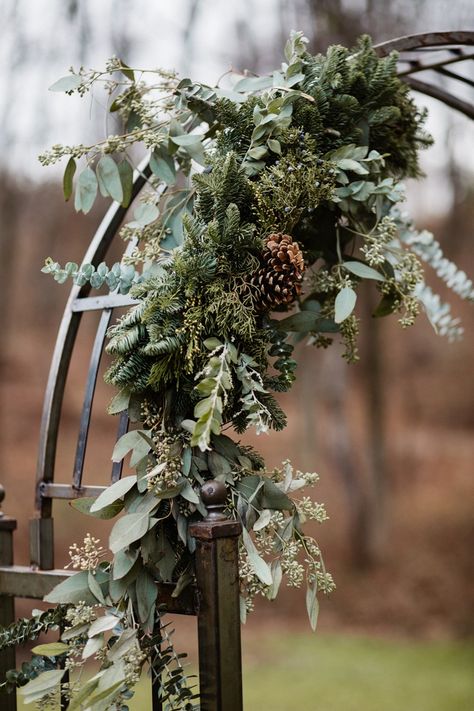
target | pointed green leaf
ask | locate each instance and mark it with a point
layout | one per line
(126, 71)
(344, 304)
(45, 682)
(260, 567)
(93, 645)
(68, 178)
(67, 83)
(86, 191)
(145, 214)
(124, 560)
(147, 592)
(126, 178)
(84, 506)
(114, 492)
(109, 178)
(363, 270)
(119, 402)
(162, 165)
(128, 529)
(53, 649)
(312, 605)
(103, 624)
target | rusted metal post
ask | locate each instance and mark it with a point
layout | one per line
(7, 603)
(217, 577)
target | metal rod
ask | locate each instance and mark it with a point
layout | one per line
(68, 491)
(441, 94)
(88, 398)
(453, 75)
(418, 66)
(95, 303)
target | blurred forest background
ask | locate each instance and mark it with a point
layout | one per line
(395, 464)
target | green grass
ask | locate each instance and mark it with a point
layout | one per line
(340, 673)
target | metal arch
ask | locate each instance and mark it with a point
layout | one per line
(425, 40)
(433, 52)
(65, 343)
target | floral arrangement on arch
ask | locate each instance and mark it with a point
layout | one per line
(267, 205)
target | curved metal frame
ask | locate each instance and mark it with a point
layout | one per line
(432, 52)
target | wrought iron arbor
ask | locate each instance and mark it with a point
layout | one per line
(424, 60)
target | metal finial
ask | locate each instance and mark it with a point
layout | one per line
(214, 495)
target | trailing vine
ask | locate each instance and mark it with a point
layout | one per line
(276, 195)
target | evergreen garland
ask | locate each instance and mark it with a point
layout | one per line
(306, 163)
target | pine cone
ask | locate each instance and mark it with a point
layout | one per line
(278, 281)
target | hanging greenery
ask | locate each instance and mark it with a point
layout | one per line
(268, 204)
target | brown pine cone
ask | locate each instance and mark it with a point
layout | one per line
(278, 281)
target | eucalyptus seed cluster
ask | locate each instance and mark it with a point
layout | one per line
(80, 614)
(165, 473)
(133, 662)
(87, 556)
(375, 243)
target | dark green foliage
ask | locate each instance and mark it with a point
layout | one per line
(359, 99)
(29, 629)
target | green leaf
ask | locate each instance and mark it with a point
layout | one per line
(277, 575)
(119, 402)
(94, 587)
(260, 567)
(53, 649)
(303, 321)
(86, 190)
(84, 506)
(219, 466)
(212, 343)
(124, 560)
(109, 178)
(258, 152)
(274, 146)
(73, 590)
(68, 178)
(45, 682)
(187, 139)
(188, 493)
(352, 165)
(263, 520)
(103, 624)
(126, 71)
(344, 304)
(92, 646)
(312, 605)
(86, 689)
(145, 214)
(253, 84)
(68, 83)
(126, 178)
(192, 145)
(128, 442)
(275, 498)
(162, 165)
(363, 270)
(147, 592)
(128, 529)
(114, 492)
